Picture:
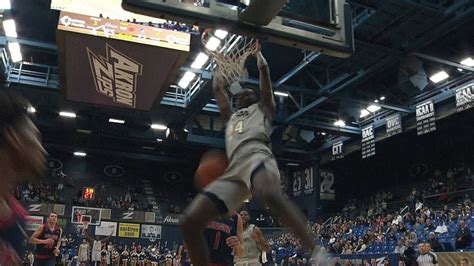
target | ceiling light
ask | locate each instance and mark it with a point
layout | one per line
(376, 101)
(364, 113)
(213, 43)
(159, 127)
(148, 148)
(373, 108)
(340, 123)
(9, 28)
(5, 4)
(200, 60)
(67, 114)
(80, 154)
(116, 121)
(31, 110)
(159, 140)
(323, 133)
(468, 62)
(279, 93)
(221, 34)
(382, 98)
(186, 130)
(292, 164)
(460, 69)
(15, 52)
(83, 131)
(186, 79)
(440, 76)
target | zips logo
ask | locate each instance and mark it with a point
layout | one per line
(115, 75)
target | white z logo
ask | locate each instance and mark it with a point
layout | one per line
(127, 215)
(35, 207)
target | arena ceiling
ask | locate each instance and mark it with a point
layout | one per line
(399, 44)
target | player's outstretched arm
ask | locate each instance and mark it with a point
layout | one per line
(218, 88)
(266, 91)
(235, 242)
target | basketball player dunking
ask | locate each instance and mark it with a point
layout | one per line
(252, 168)
(224, 240)
(254, 243)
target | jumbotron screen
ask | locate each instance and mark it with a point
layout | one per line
(124, 31)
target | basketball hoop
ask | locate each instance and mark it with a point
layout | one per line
(230, 59)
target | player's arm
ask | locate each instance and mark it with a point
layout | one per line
(235, 242)
(34, 237)
(60, 238)
(262, 243)
(218, 88)
(266, 91)
(239, 250)
(57, 248)
(107, 238)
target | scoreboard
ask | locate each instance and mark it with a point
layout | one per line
(125, 31)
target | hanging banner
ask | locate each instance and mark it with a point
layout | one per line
(368, 142)
(129, 230)
(327, 191)
(303, 182)
(338, 150)
(465, 97)
(425, 118)
(33, 222)
(106, 229)
(151, 231)
(393, 125)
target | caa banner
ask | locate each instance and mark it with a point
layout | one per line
(393, 125)
(465, 97)
(327, 191)
(425, 118)
(106, 229)
(338, 150)
(151, 231)
(368, 142)
(129, 230)
(303, 182)
(33, 222)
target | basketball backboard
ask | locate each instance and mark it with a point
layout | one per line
(323, 26)
(81, 214)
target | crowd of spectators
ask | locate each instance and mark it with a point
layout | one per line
(376, 229)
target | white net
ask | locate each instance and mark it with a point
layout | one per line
(229, 58)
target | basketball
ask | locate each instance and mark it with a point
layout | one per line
(213, 164)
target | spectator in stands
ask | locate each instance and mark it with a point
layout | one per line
(441, 228)
(429, 226)
(426, 257)
(412, 239)
(400, 248)
(464, 262)
(409, 256)
(360, 248)
(463, 236)
(434, 243)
